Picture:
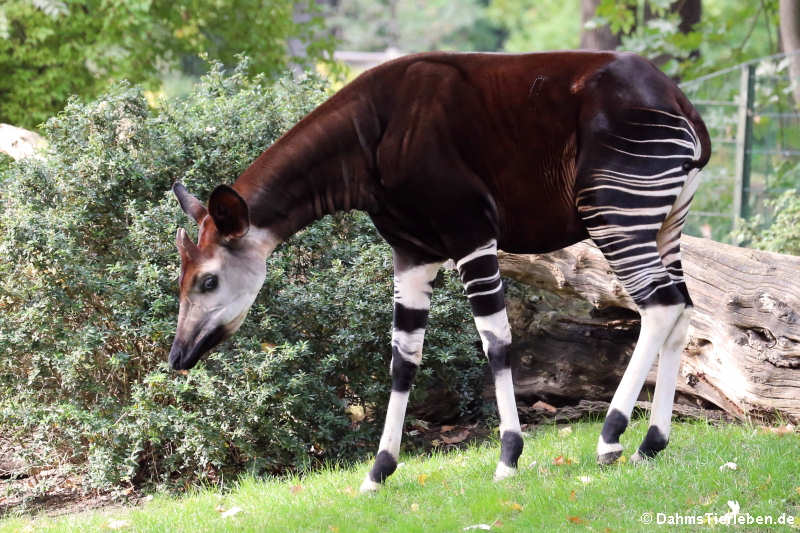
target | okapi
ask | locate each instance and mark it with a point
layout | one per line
(452, 156)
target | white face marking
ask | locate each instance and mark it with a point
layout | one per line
(239, 276)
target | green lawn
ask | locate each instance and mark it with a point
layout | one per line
(453, 490)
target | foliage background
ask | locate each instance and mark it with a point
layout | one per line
(88, 299)
(51, 49)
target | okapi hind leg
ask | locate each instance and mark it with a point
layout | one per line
(669, 248)
(657, 324)
(661, 414)
(413, 287)
(635, 182)
(480, 274)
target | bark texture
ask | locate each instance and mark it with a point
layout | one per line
(744, 350)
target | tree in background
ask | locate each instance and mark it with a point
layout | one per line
(51, 49)
(689, 38)
(789, 12)
(536, 25)
(413, 25)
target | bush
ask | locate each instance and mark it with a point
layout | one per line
(774, 231)
(89, 305)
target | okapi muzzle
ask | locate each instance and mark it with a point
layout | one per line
(220, 274)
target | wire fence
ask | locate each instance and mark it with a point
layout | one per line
(754, 123)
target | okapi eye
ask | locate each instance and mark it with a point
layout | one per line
(209, 283)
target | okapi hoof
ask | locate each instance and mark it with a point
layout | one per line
(639, 458)
(369, 486)
(609, 457)
(503, 471)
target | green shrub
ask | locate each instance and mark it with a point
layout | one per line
(89, 305)
(776, 230)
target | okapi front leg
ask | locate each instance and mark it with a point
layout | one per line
(480, 274)
(413, 287)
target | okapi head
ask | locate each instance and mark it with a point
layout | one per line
(220, 275)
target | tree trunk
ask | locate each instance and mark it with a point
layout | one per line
(789, 13)
(744, 351)
(599, 38)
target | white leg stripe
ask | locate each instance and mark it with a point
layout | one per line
(657, 323)
(497, 325)
(488, 249)
(412, 287)
(482, 293)
(409, 344)
(668, 363)
(506, 405)
(480, 280)
(393, 428)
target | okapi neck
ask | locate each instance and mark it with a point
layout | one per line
(323, 165)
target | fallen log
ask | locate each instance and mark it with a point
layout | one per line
(744, 350)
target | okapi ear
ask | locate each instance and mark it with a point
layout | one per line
(229, 211)
(190, 205)
(186, 247)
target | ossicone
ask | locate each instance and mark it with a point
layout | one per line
(229, 212)
(187, 248)
(190, 204)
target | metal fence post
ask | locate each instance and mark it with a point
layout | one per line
(744, 142)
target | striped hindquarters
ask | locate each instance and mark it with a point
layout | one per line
(634, 199)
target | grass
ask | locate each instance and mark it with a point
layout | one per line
(449, 491)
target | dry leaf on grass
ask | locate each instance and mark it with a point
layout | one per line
(780, 430)
(565, 432)
(458, 437)
(514, 506)
(708, 499)
(350, 491)
(577, 520)
(734, 507)
(233, 511)
(573, 496)
(334, 529)
(421, 479)
(356, 413)
(561, 460)
(414, 507)
(296, 488)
